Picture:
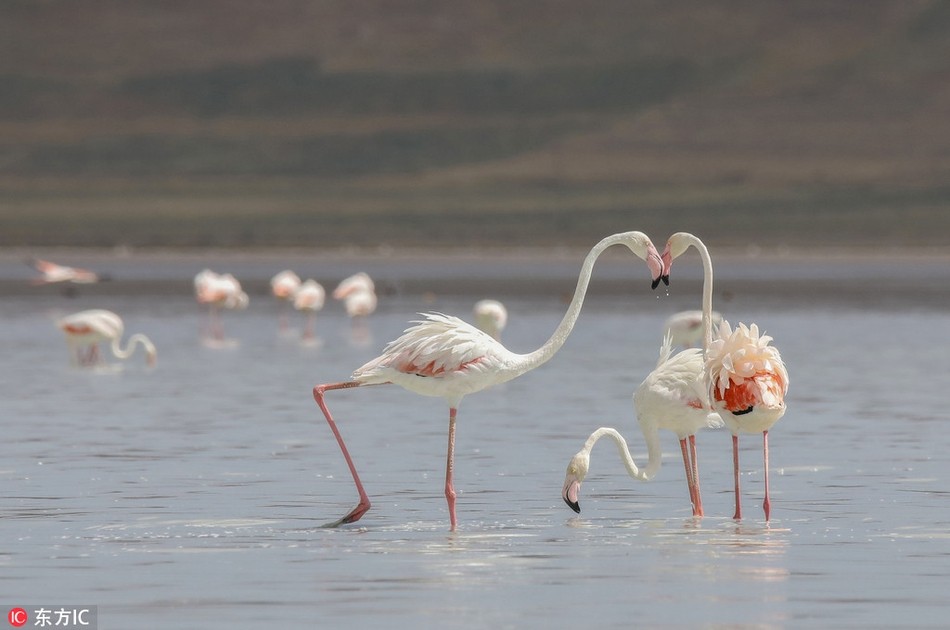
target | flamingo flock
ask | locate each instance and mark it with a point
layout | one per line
(723, 376)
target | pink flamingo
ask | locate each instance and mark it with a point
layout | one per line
(674, 396)
(219, 291)
(445, 357)
(85, 329)
(746, 378)
(52, 272)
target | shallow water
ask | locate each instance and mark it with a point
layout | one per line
(192, 494)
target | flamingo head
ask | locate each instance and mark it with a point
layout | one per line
(151, 356)
(641, 245)
(576, 473)
(676, 246)
(747, 377)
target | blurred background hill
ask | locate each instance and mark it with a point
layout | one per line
(232, 123)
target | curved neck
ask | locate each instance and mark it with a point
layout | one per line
(560, 335)
(707, 288)
(125, 353)
(653, 451)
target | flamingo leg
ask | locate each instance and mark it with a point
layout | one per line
(735, 467)
(363, 506)
(767, 504)
(450, 469)
(308, 329)
(690, 482)
(698, 504)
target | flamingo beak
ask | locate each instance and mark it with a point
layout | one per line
(655, 263)
(667, 260)
(572, 488)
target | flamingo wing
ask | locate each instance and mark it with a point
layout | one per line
(438, 346)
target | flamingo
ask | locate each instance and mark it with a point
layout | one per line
(309, 297)
(52, 272)
(445, 357)
(491, 317)
(219, 291)
(284, 286)
(85, 329)
(358, 293)
(673, 396)
(686, 327)
(745, 376)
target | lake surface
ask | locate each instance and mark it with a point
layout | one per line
(192, 494)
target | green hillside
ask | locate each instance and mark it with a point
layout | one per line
(466, 123)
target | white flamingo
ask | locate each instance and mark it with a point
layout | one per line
(85, 329)
(284, 287)
(745, 376)
(309, 298)
(445, 357)
(491, 316)
(358, 293)
(674, 396)
(219, 291)
(686, 327)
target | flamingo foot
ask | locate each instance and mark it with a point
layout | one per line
(354, 515)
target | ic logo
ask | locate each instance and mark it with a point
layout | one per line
(17, 617)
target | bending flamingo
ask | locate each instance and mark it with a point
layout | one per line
(85, 329)
(491, 317)
(671, 397)
(309, 297)
(745, 377)
(445, 357)
(674, 396)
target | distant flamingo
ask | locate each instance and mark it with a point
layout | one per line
(674, 396)
(309, 297)
(53, 272)
(686, 327)
(745, 376)
(358, 293)
(490, 317)
(219, 291)
(445, 357)
(85, 329)
(284, 286)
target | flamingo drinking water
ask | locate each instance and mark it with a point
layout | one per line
(445, 357)
(85, 329)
